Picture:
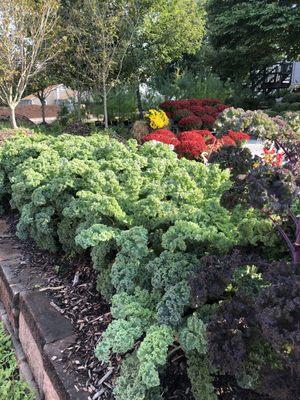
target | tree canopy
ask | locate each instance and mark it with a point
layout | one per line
(251, 34)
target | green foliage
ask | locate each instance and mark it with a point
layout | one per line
(166, 31)
(253, 228)
(291, 98)
(256, 123)
(182, 83)
(10, 386)
(259, 31)
(293, 120)
(192, 335)
(281, 107)
(147, 217)
(260, 354)
(200, 374)
(248, 280)
(130, 385)
(121, 104)
(153, 353)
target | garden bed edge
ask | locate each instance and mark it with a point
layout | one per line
(40, 332)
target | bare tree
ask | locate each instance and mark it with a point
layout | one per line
(27, 30)
(103, 31)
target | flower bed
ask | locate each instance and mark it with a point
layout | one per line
(184, 274)
(196, 143)
(194, 113)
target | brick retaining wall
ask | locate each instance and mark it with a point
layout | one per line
(39, 330)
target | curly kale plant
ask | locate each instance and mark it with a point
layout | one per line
(147, 218)
(238, 159)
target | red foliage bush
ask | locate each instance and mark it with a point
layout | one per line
(191, 148)
(208, 136)
(220, 108)
(239, 137)
(162, 135)
(208, 120)
(197, 109)
(168, 106)
(195, 135)
(193, 143)
(226, 140)
(187, 113)
(211, 102)
(177, 115)
(190, 122)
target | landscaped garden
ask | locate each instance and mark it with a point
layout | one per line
(198, 256)
(153, 251)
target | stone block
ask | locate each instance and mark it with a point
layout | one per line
(47, 325)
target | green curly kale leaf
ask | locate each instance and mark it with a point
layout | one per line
(200, 373)
(192, 336)
(153, 353)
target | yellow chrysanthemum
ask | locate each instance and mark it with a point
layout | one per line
(158, 119)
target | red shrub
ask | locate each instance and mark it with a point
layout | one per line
(191, 148)
(190, 135)
(208, 120)
(188, 113)
(195, 134)
(221, 107)
(239, 137)
(197, 110)
(210, 102)
(226, 140)
(190, 122)
(162, 135)
(179, 104)
(208, 136)
(167, 106)
(210, 110)
(196, 102)
(181, 113)
(193, 143)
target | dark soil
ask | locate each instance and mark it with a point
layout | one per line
(70, 285)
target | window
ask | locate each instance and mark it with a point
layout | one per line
(25, 102)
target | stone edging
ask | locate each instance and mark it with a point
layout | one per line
(39, 332)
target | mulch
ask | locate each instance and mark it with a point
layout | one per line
(70, 284)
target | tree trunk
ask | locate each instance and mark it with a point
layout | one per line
(13, 116)
(105, 105)
(41, 95)
(79, 93)
(43, 102)
(139, 101)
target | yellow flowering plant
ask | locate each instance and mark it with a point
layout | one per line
(158, 119)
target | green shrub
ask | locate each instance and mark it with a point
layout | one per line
(10, 385)
(148, 218)
(291, 98)
(281, 107)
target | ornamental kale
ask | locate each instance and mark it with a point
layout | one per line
(148, 219)
(239, 160)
